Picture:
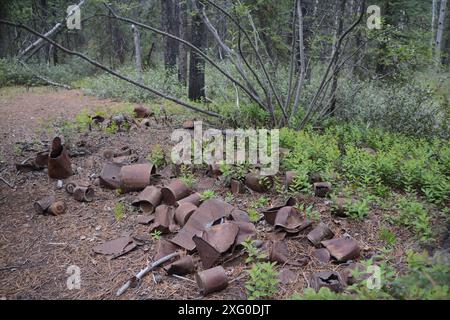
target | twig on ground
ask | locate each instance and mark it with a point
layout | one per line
(146, 270)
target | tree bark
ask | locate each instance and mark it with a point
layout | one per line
(137, 50)
(183, 58)
(440, 31)
(169, 24)
(197, 63)
(340, 26)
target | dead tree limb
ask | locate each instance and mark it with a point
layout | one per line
(146, 270)
(104, 68)
(46, 80)
(302, 60)
(258, 56)
(190, 45)
(56, 28)
(312, 106)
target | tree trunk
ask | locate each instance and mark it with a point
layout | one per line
(440, 31)
(169, 23)
(137, 50)
(433, 22)
(197, 63)
(183, 59)
(340, 26)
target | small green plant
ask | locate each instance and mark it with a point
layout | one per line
(261, 202)
(229, 197)
(414, 215)
(187, 177)
(263, 282)
(387, 236)
(113, 128)
(309, 211)
(83, 120)
(254, 254)
(157, 156)
(156, 235)
(253, 215)
(119, 211)
(208, 194)
(358, 210)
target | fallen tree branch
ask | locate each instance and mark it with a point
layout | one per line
(99, 65)
(50, 82)
(7, 183)
(190, 45)
(146, 270)
(49, 33)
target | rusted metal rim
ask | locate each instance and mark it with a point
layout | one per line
(184, 212)
(59, 165)
(175, 191)
(137, 176)
(211, 280)
(84, 194)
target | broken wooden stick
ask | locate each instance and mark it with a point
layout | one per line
(7, 183)
(146, 270)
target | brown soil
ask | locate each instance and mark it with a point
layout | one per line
(36, 250)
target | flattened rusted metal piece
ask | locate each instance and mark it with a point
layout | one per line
(328, 279)
(137, 176)
(145, 219)
(320, 233)
(195, 199)
(278, 252)
(323, 255)
(286, 276)
(181, 267)
(164, 219)
(240, 216)
(221, 236)
(322, 189)
(42, 205)
(164, 248)
(115, 247)
(254, 182)
(204, 184)
(271, 213)
(175, 191)
(290, 220)
(184, 212)
(347, 274)
(84, 194)
(110, 176)
(343, 249)
(246, 230)
(237, 187)
(209, 212)
(59, 165)
(211, 280)
(149, 199)
(208, 254)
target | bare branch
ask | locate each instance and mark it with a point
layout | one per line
(97, 64)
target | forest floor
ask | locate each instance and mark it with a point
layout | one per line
(36, 250)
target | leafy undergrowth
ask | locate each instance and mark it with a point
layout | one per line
(427, 278)
(375, 168)
(407, 178)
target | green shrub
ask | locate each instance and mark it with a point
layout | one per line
(263, 282)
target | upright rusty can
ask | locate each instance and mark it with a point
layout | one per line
(59, 165)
